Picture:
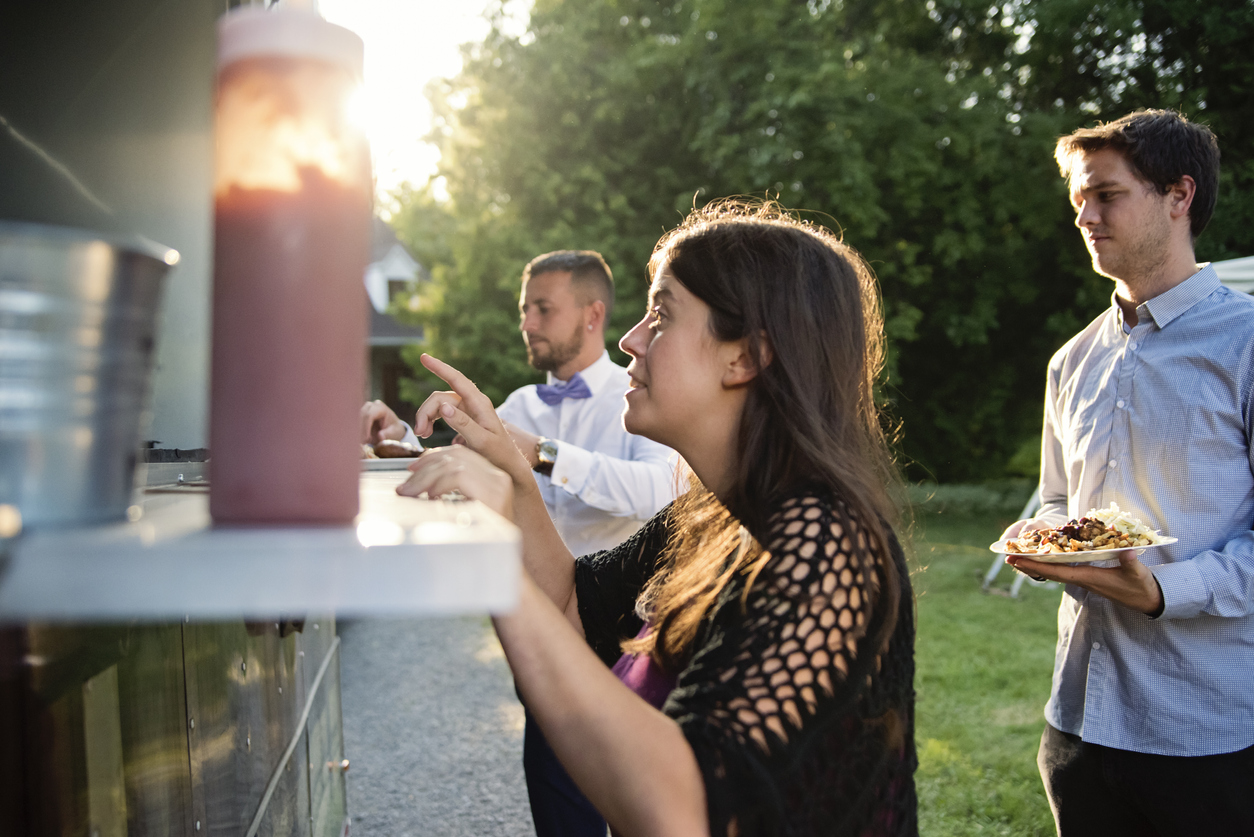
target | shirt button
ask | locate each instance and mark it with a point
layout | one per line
(1096, 645)
(565, 480)
(1132, 345)
(1114, 464)
(1119, 403)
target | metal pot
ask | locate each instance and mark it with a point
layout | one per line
(77, 335)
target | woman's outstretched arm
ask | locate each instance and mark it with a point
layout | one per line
(628, 758)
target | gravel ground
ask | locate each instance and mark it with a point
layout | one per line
(433, 730)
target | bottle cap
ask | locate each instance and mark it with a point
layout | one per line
(253, 31)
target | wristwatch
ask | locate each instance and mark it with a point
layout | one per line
(546, 456)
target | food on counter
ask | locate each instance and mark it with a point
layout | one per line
(367, 452)
(1100, 529)
(392, 449)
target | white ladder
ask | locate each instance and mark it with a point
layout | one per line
(999, 561)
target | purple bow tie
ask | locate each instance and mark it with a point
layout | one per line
(552, 394)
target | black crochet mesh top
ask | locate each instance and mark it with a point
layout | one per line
(799, 725)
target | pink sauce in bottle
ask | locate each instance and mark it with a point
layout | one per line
(291, 241)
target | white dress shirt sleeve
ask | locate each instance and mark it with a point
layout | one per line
(637, 488)
(512, 409)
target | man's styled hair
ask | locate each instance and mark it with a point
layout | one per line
(1161, 147)
(589, 274)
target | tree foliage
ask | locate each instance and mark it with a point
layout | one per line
(922, 131)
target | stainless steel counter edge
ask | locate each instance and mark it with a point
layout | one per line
(404, 557)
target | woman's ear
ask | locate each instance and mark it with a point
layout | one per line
(745, 360)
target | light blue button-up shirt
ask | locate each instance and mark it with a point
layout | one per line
(1159, 419)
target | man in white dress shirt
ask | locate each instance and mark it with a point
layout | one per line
(600, 482)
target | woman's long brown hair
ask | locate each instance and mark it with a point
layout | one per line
(809, 309)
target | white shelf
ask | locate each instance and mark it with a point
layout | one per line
(404, 557)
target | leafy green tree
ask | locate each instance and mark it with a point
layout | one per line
(923, 131)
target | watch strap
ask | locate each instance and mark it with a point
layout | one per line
(546, 456)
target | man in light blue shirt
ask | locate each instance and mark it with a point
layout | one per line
(1151, 716)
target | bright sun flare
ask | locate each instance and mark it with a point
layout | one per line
(408, 43)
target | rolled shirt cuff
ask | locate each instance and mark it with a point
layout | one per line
(1184, 590)
(571, 469)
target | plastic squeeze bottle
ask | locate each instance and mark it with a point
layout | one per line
(292, 209)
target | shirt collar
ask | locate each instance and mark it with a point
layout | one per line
(595, 375)
(1169, 305)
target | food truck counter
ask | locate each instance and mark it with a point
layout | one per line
(403, 557)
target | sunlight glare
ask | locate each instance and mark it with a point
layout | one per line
(408, 43)
(359, 109)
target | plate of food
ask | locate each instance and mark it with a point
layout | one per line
(1092, 538)
(389, 455)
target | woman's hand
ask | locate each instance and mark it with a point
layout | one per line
(471, 414)
(440, 471)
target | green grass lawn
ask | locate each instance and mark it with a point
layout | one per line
(983, 674)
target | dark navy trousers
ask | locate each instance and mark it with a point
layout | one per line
(558, 807)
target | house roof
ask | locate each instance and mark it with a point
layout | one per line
(386, 330)
(382, 238)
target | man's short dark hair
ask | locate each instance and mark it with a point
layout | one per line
(1161, 147)
(589, 274)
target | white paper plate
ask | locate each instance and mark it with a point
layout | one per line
(387, 464)
(1088, 557)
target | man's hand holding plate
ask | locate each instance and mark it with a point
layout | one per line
(1131, 584)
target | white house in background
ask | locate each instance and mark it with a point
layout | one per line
(1237, 274)
(392, 272)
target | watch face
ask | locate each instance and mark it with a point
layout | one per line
(548, 450)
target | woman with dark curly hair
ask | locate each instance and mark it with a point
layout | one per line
(742, 665)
